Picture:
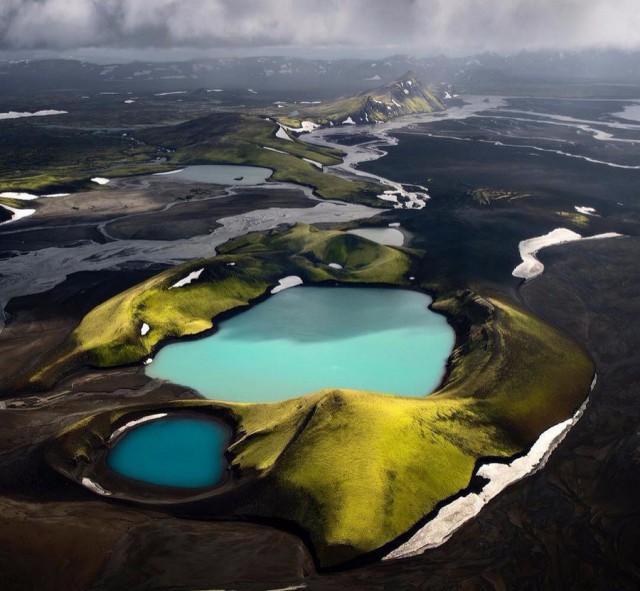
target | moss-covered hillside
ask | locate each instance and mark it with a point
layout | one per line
(350, 470)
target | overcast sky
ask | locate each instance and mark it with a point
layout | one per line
(316, 27)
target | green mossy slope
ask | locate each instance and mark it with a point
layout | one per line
(353, 470)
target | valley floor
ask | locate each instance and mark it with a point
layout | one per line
(499, 172)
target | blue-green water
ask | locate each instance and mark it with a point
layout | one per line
(180, 452)
(308, 338)
(220, 174)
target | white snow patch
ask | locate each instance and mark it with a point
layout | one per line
(305, 126)
(168, 173)
(585, 210)
(452, 516)
(148, 360)
(174, 92)
(120, 430)
(394, 225)
(145, 329)
(20, 196)
(530, 266)
(282, 134)
(57, 195)
(188, 279)
(335, 266)
(348, 121)
(314, 163)
(231, 264)
(18, 214)
(286, 283)
(129, 102)
(376, 77)
(100, 180)
(406, 91)
(19, 115)
(214, 89)
(274, 150)
(95, 487)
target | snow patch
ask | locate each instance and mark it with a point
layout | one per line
(286, 283)
(145, 329)
(348, 121)
(282, 134)
(131, 424)
(531, 267)
(452, 516)
(305, 126)
(100, 180)
(335, 266)
(95, 487)
(168, 173)
(174, 92)
(274, 150)
(18, 214)
(585, 210)
(314, 163)
(188, 279)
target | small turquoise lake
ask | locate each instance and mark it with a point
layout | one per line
(305, 339)
(219, 174)
(179, 452)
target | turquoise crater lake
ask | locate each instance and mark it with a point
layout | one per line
(179, 452)
(308, 338)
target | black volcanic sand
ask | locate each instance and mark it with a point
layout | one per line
(573, 525)
(36, 324)
(445, 164)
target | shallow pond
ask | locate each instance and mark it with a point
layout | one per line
(219, 174)
(308, 338)
(184, 452)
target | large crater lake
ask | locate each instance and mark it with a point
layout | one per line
(307, 338)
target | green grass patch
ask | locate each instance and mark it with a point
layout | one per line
(356, 469)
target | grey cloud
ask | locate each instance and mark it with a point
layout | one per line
(421, 26)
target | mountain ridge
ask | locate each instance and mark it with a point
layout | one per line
(403, 96)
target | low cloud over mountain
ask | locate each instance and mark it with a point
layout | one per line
(419, 26)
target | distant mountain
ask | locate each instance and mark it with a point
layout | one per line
(287, 79)
(404, 96)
